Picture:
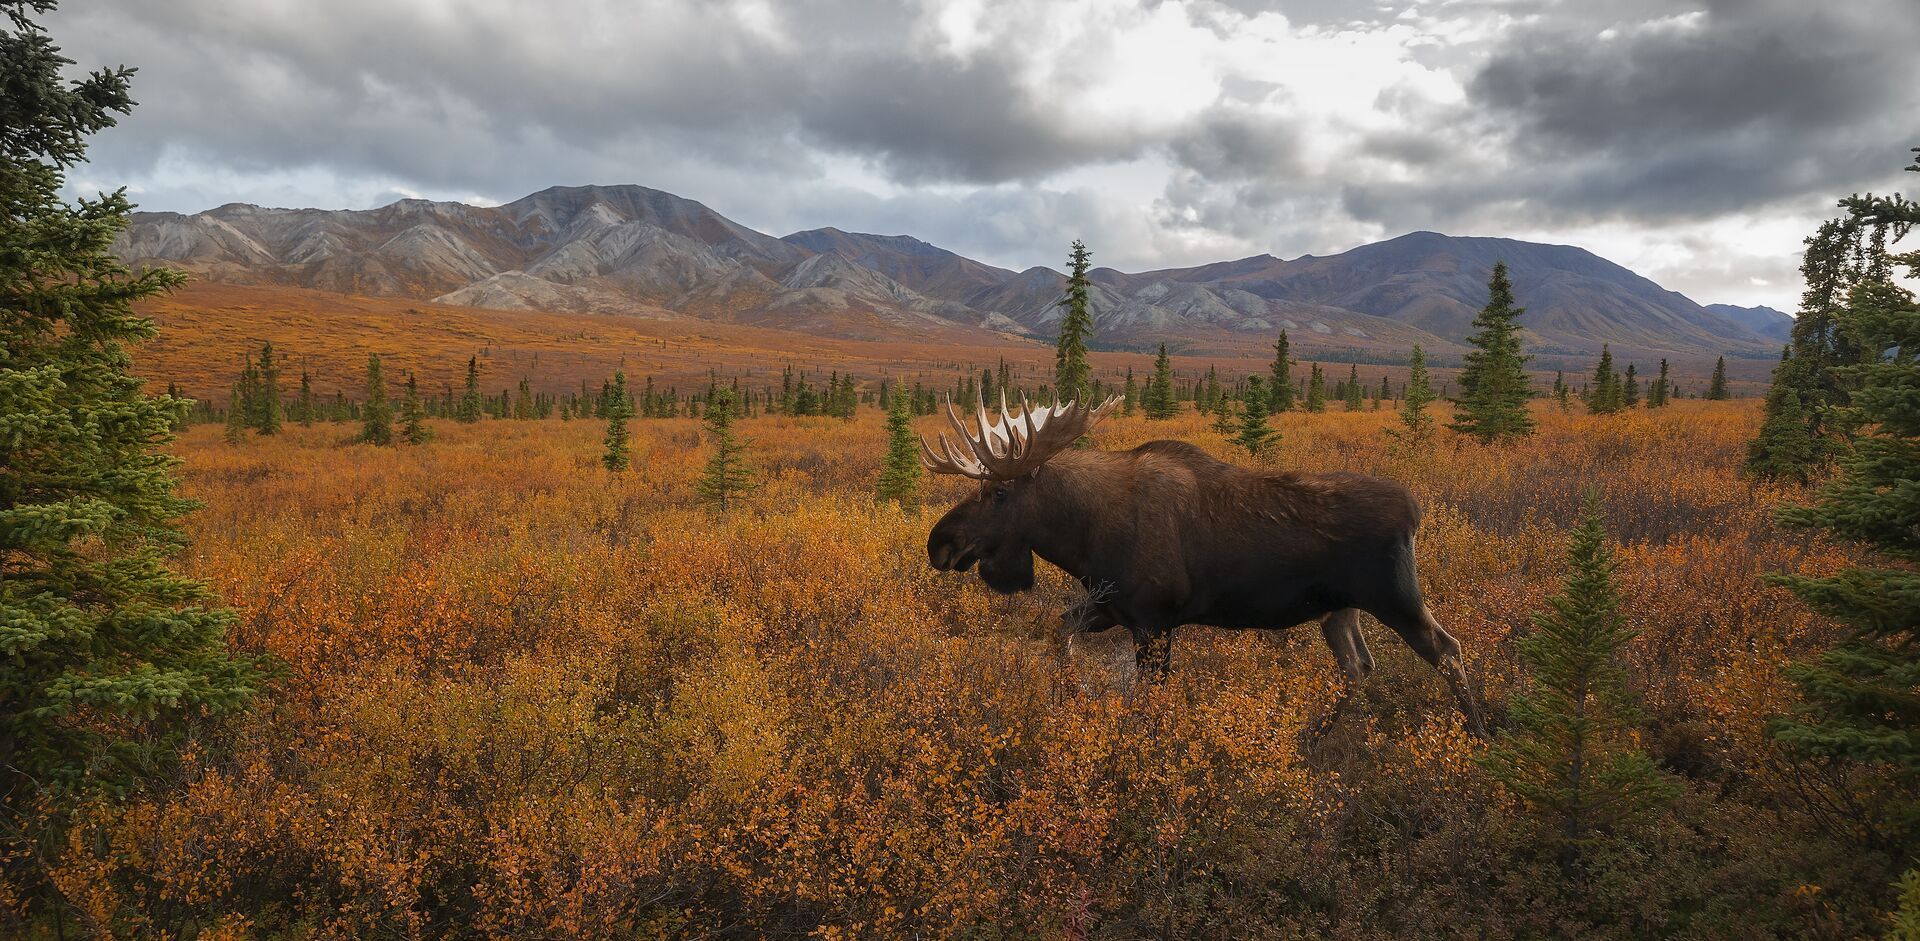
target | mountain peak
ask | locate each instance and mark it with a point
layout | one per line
(604, 247)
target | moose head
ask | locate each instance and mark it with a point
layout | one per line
(1008, 458)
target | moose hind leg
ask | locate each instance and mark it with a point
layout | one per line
(1342, 631)
(1415, 624)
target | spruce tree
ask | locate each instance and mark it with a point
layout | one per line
(1717, 386)
(616, 457)
(726, 476)
(305, 402)
(1353, 397)
(377, 417)
(470, 404)
(1786, 448)
(1493, 384)
(1130, 395)
(1316, 390)
(1571, 754)
(1281, 381)
(268, 421)
(413, 425)
(1255, 434)
(1630, 389)
(1161, 403)
(1605, 396)
(1417, 425)
(900, 475)
(236, 429)
(108, 652)
(1070, 369)
(1843, 252)
(1661, 388)
(1860, 701)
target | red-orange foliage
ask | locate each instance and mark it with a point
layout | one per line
(527, 697)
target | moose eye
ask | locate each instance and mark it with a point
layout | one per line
(999, 494)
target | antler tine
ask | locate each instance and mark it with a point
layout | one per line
(1013, 446)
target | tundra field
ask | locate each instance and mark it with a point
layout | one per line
(522, 695)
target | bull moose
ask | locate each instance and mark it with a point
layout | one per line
(1165, 535)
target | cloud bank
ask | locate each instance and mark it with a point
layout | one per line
(1696, 142)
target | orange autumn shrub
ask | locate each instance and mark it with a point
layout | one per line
(524, 696)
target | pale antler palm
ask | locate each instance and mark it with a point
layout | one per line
(1014, 446)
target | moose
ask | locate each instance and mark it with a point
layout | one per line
(1165, 535)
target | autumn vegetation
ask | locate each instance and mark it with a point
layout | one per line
(520, 694)
(650, 662)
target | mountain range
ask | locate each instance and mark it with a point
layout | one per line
(634, 250)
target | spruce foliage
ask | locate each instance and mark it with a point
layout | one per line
(1070, 368)
(108, 653)
(1281, 382)
(267, 410)
(1786, 449)
(413, 424)
(377, 416)
(1417, 425)
(1161, 403)
(727, 476)
(470, 404)
(900, 474)
(1605, 395)
(1255, 434)
(1571, 753)
(304, 404)
(1717, 386)
(1316, 390)
(1860, 701)
(616, 457)
(1493, 384)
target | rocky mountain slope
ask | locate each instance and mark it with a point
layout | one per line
(614, 249)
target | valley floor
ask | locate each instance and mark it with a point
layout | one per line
(524, 696)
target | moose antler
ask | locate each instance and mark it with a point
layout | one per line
(1013, 446)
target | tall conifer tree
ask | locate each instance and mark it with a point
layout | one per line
(1493, 384)
(1860, 701)
(377, 416)
(1605, 396)
(1717, 386)
(108, 651)
(727, 476)
(1255, 434)
(900, 474)
(1161, 403)
(470, 404)
(1417, 425)
(1070, 369)
(413, 424)
(616, 457)
(1280, 382)
(268, 421)
(1316, 390)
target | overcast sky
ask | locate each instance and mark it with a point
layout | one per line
(1696, 141)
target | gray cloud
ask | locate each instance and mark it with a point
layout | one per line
(1164, 133)
(1712, 109)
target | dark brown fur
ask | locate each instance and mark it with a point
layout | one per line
(1164, 535)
